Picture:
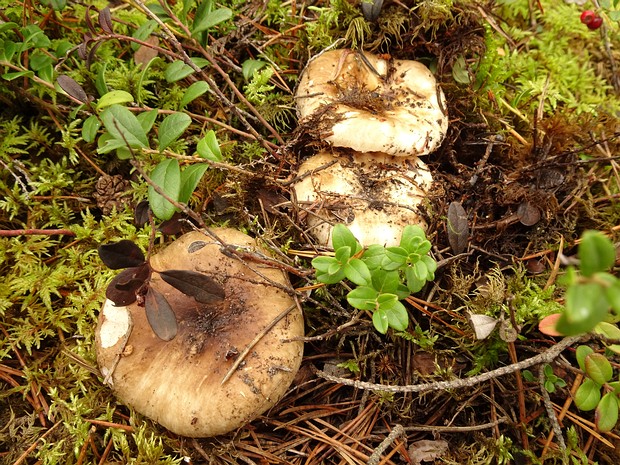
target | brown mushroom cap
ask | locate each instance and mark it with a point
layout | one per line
(374, 195)
(371, 104)
(179, 383)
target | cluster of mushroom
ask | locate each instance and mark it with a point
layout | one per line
(232, 358)
(379, 115)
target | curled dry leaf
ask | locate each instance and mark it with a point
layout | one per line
(528, 214)
(160, 315)
(105, 20)
(427, 450)
(197, 285)
(121, 254)
(483, 325)
(72, 88)
(125, 286)
(458, 227)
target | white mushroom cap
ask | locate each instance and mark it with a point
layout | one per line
(178, 383)
(372, 104)
(374, 195)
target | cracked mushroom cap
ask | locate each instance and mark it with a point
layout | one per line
(372, 104)
(178, 383)
(374, 195)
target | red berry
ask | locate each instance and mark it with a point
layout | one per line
(595, 23)
(587, 16)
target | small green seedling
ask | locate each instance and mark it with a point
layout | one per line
(551, 380)
(592, 292)
(383, 275)
(598, 392)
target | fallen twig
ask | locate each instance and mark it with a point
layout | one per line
(545, 357)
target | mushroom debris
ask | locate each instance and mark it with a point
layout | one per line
(379, 115)
(181, 383)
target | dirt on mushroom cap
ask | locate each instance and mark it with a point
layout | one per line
(178, 383)
(372, 104)
(375, 195)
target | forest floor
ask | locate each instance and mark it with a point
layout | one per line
(529, 163)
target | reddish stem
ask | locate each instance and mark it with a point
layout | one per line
(34, 232)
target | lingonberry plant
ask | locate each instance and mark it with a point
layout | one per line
(383, 275)
(592, 304)
(598, 391)
(592, 294)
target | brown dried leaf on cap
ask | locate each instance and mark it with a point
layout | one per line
(374, 195)
(178, 382)
(372, 104)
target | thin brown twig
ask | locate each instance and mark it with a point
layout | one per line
(545, 357)
(35, 232)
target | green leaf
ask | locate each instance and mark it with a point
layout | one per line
(373, 256)
(114, 97)
(343, 237)
(385, 281)
(363, 297)
(100, 84)
(35, 36)
(586, 306)
(8, 49)
(177, 70)
(147, 119)
(143, 33)
(612, 292)
(380, 321)
(209, 148)
(606, 415)
(598, 368)
(323, 263)
(357, 272)
(409, 233)
(431, 267)
(588, 395)
(17, 74)
(39, 60)
(193, 92)
(171, 128)
(124, 126)
(330, 278)
(250, 66)
(90, 127)
(343, 254)
(394, 310)
(596, 253)
(397, 257)
(610, 331)
(581, 353)
(166, 175)
(420, 271)
(414, 284)
(207, 19)
(190, 177)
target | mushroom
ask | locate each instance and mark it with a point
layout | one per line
(181, 383)
(372, 104)
(374, 195)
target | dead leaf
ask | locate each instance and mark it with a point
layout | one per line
(458, 227)
(427, 450)
(145, 54)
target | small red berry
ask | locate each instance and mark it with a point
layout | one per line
(595, 23)
(587, 16)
